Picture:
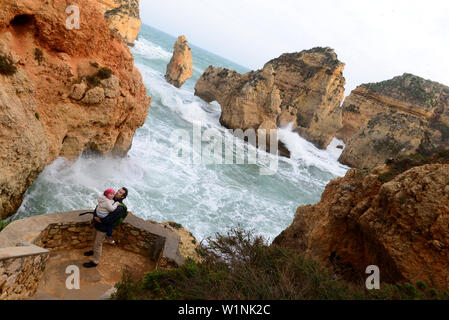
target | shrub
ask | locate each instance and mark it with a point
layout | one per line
(38, 55)
(93, 81)
(239, 266)
(3, 224)
(104, 73)
(175, 225)
(36, 115)
(7, 67)
(94, 64)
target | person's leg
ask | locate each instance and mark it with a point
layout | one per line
(94, 233)
(109, 239)
(98, 245)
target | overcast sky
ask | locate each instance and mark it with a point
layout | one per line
(376, 39)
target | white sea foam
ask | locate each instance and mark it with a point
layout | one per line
(150, 50)
(204, 198)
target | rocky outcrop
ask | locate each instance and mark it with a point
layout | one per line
(305, 88)
(123, 18)
(69, 91)
(187, 242)
(394, 118)
(361, 220)
(180, 67)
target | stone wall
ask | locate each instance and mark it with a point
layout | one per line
(78, 235)
(21, 269)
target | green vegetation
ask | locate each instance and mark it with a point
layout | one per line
(36, 115)
(3, 224)
(175, 225)
(94, 80)
(241, 266)
(301, 120)
(7, 67)
(388, 144)
(443, 128)
(352, 108)
(94, 64)
(411, 88)
(38, 55)
(104, 73)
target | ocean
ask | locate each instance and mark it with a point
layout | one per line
(204, 197)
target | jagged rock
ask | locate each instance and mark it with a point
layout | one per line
(394, 118)
(305, 88)
(123, 18)
(94, 96)
(78, 91)
(40, 116)
(111, 87)
(400, 225)
(180, 67)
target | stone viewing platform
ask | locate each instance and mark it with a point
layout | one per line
(35, 252)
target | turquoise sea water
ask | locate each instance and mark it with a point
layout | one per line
(205, 198)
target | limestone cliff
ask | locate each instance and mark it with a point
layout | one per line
(305, 88)
(180, 67)
(363, 219)
(62, 91)
(394, 118)
(123, 18)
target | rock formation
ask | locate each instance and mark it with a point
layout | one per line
(62, 91)
(394, 118)
(123, 18)
(305, 88)
(362, 220)
(180, 67)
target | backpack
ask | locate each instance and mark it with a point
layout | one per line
(119, 221)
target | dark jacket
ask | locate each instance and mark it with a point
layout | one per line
(110, 218)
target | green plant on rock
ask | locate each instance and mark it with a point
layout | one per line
(175, 225)
(7, 67)
(3, 224)
(104, 73)
(38, 55)
(93, 81)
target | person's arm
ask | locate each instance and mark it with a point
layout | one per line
(110, 205)
(114, 215)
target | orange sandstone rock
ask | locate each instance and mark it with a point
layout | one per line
(305, 88)
(180, 67)
(400, 226)
(56, 104)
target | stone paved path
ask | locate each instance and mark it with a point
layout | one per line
(94, 282)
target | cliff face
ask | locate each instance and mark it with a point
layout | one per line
(305, 88)
(180, 67)
(123, 18)
(400, 225)
(72, 91)
(394, 118)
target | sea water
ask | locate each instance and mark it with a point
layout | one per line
(204, 198)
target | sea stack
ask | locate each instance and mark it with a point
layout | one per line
(62, 91)
(394, 118)
(304, 88)
(180, 67)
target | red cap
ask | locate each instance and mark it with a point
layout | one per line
(109, 191)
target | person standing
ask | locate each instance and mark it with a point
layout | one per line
(102, 225)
